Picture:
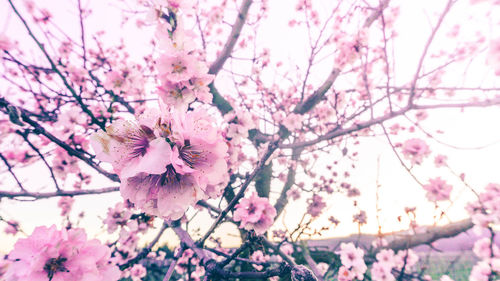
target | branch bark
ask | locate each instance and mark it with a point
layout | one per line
(430, 235)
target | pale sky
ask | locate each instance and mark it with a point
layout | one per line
(470, 128)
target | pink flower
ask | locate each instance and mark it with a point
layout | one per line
(5, 43)
(406, 258)
(482, 248)
(345, 274)
(293, 121)
(386, 257)
(316, 205)
(167, 195)
(323, 268)
(360, 217)
(480, 272)
(287, 248)
(437, 190)
(445, 278)
(178, 90)
(381, 272)
(255, 213)
(440, 161)
(199, 85)
(177, 66)
(77, 75)
(65, 203)
(115, 81)
(180, 40)
(117, 216)
(64, 164)
(201, 148)
(50, 254)
(12, 227)
(187, 262)
(137, 272)
(176, 95)
(421, 115)
(132, 148)
(415, 150)
(486, 210)
(258, 256)
(350, 255)
(352, 259)
(293, 193)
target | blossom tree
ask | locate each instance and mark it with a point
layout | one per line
(207, 116)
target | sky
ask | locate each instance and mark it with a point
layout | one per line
(377, 162)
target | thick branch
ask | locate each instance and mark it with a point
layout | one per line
(310, 262)
(430, 235)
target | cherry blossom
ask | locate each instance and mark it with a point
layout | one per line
(316, 205)
(12, 227)
(117, 216)
(437, 190)
(352, 259)
(5, 43)
(65, 203)
(415, 150)
(137, 272)
(255, 213)
(440, 160)
(57, 255)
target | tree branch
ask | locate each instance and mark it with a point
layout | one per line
(430, 235)
(216, 66)
(41, 195)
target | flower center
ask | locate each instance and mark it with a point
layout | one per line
(139, 141)
(55, 265)
(170, 176)
(189, 155)
(178, 67)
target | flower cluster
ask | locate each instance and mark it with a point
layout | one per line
(165, 163)
(486, 211)
(255, 213)
(387, 261)
(181, 72)
(58, 255)
(117, 216)
(188, 264)
(489, 265)
(353, 264)
(316, 205)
